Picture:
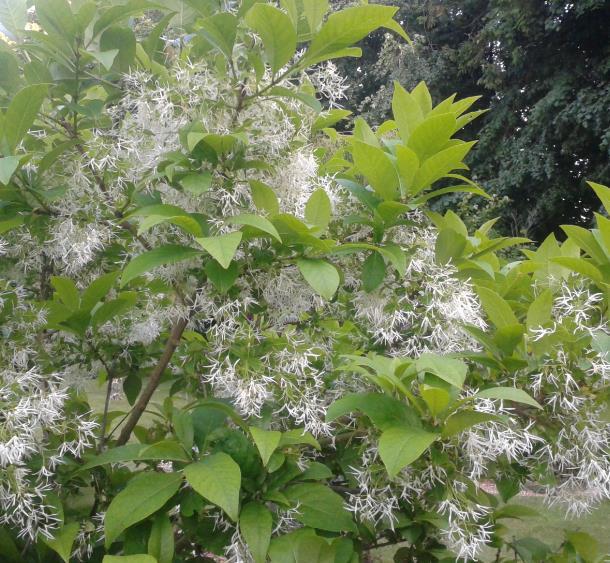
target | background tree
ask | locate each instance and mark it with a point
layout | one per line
(541, 67)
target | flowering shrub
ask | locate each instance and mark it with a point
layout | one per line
(315, 364)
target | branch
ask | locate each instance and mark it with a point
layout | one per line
(105, 415)
(153, 382)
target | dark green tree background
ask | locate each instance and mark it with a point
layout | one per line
(543, 69)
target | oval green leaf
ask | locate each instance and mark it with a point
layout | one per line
(167, 254)
(144, 495)
(320, 275)
(217, 478)
(401, 446)
(221, 247)
(255, 525)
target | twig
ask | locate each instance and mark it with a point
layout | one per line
(105, 414)
(153, 382)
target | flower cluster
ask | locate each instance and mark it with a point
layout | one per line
(35, 437)
(577, 457)
(428, 308)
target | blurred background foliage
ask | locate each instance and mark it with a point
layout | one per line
(543, 70)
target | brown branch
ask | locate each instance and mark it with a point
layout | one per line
(104, 424)
(153, 382)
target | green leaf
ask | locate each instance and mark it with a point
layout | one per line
(113, 308)
(383, 410)
(373, 272)
(12, 223)
(221, 144)
(395, 255)
(8, 165)
(63, 540)
(277, 32)
(497, 309)
(161, 213)
(322, 276)
(344, 28)
(407, 113)
(132, 385)
(165, 449)
(462, 420)
(449, 245)
(56, 18)
(603, 193)
(255, 525)
(422, 96)
(52, 155)
(21, 113)
(329, 118)
(10, 74)
(531, 550)
(205, 421)
(376, 165)
(144, 495)
(8, 548)
(431, 135)
(364, 133)
(508, 394)
(66, 291)
(585, 544)
(129, 559)
(220, 31)
(221, 247)
(394, 26)
(603, 226)
(197, 184)
(97, 290)
(439, 165)
(436, 399)
(36, 72)
(452, 190)
(314, 11)
(217, 478)
(402, 445)
(408, 165)
(223, 279)
(316, 471)
(584, 239)
(115, 14)
(266, 441)
(391, 211)
(13, 15)
(105, 58)
(508, 486)
(318, 209)
(264, 197)
(303, 546)
(298, 436)
(161, 539)
(161, 256)
(260, 223)
(579, 265)
(539, 312)
(448, 369)
(320, 507)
